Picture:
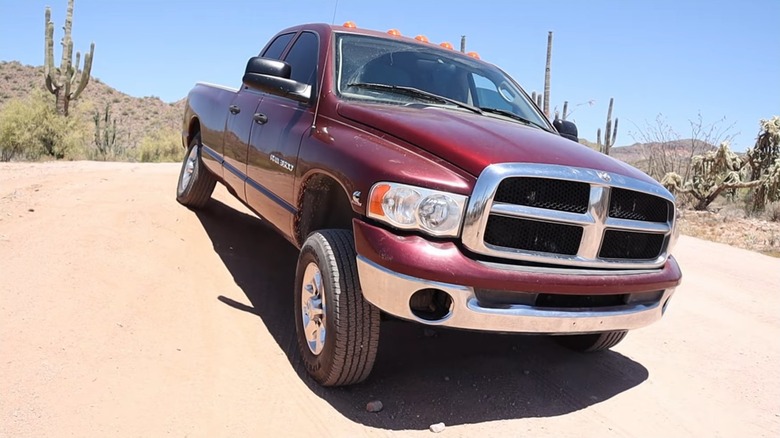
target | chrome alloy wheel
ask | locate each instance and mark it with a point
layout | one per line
(189, 168)
(313, 308)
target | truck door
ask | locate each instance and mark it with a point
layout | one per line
(273, 149)
(239, 126)
(241, 122)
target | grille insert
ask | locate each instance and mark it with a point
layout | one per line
(628, 204)
(529, 235)
(551, 194)
(631, 245)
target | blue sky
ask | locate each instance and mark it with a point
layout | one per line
(676, 58)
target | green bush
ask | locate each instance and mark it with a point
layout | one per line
(160, 146)
(31, 129)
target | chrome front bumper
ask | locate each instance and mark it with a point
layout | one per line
(391, 292)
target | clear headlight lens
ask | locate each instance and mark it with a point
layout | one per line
(415, 208)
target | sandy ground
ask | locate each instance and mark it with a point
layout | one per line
(125, 314)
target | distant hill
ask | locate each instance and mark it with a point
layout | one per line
(676, 150)
(136, 117)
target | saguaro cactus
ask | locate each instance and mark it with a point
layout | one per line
(64, 82)
(105, 134)
(610, 133)
(547, 75)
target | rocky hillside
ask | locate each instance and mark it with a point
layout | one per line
(136, 117)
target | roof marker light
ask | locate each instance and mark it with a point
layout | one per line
(474, 55)
(447, 45)
(350, 25)
(422, 38)
(394, 32)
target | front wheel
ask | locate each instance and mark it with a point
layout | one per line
(337, 329)
(591, 342)
(195, 183)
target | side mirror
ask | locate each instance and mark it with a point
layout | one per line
(273, 77)
(567, 129)
(267, 66)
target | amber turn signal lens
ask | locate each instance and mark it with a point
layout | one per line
(377, 195)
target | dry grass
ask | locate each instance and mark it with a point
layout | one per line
(730, 225)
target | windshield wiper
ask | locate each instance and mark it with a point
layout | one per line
(514, 116)
(415, 92)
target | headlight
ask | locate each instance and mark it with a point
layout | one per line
(415, 208)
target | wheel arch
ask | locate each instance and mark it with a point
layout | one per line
(192, 130)
(323, 203)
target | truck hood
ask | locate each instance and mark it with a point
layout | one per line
(472, 141)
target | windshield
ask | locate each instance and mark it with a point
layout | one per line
(398, 66)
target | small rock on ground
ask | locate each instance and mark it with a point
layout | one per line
(436, 428)
(374, 406)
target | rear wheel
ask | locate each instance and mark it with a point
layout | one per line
(591, 342)
(337, 329)
(195, 182)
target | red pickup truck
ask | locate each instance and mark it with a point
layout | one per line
(424, 183)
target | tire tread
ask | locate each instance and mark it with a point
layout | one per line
(198, 194)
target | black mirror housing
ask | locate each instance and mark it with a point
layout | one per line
(278, 86)
(567, 129)
(267, 66)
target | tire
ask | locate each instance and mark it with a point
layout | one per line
(344, 352)
(196, 183)
(591, 342)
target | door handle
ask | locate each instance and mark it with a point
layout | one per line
(234, 109)
(261, 119)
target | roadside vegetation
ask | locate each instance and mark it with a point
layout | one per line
(32, 130)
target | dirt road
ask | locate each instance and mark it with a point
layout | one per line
(125, 314)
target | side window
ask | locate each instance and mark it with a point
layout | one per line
(276, 48)
(303, 58)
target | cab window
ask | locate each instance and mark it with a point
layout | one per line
(303, 59)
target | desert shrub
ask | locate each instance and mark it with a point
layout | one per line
(162, 145)
(772, 211)
(30, 129)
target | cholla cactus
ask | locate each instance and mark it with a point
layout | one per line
(720, 170)
(764, 162)
(713, 172)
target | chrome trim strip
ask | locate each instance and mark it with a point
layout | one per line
(212, 153)
(522, 211)
(232, 169)
(594, 222)
(270, 195)
(391, 292)
(250, 183)
(639, 226)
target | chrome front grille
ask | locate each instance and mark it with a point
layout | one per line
(568, 216)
